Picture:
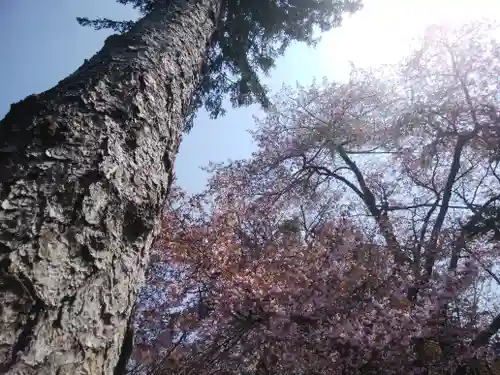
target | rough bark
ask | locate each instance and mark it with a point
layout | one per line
(84, 170)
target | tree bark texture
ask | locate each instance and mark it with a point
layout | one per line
(84, 170)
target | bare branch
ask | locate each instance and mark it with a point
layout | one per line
(409, 207)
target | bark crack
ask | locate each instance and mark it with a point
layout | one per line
(24, 288)
(26, 336)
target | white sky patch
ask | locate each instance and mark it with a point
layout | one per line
(385, 31)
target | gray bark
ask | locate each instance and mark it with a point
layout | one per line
(84, 170)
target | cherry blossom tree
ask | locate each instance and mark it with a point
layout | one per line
(353, 241)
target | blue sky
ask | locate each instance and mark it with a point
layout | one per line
(42, 43)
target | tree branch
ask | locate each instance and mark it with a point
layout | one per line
(484, 336)
(431, 251)
(380, 217)
(474, 220)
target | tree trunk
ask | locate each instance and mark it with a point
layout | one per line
(84, 170)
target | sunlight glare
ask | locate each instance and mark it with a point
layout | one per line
(384, 31)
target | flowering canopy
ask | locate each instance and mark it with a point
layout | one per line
(349, 242)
